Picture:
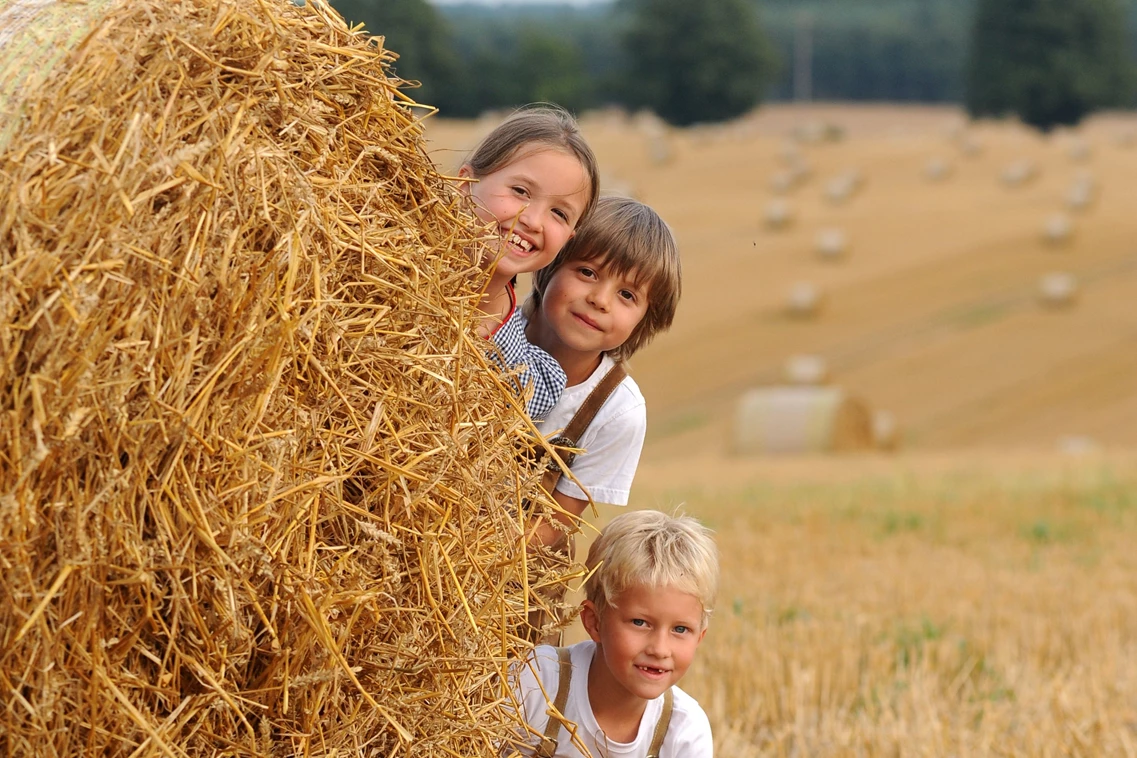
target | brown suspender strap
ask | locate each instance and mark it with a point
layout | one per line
(582, 419)
(661, 725)
(548, 746)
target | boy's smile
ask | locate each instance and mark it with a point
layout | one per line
(586, 310)
(645, 644)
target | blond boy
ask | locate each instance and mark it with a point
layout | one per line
(649, 599)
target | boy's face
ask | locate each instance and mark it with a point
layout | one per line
(591, 310)
(646, 642)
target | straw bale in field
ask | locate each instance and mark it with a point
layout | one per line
(258, 484)
(806, 369)
(1057, 289)
(832, 244)
(778, 214)
(800, 420)
(804, 300)
(937, 169)
(1058, 229)
(1019, 173)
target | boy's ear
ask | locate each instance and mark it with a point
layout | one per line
(590, 619)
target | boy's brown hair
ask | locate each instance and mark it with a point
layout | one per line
(626, 237)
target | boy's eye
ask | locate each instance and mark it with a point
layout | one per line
(521, 191)
(682, 629)
(586, 271)
(639, 622)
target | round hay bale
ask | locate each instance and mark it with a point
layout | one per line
(803, 301)
(782, 182)
(259, 482)
(1078, 149)
(937, 169)
(808, 370)
(971, 146)
(842, 187)
(1058, 229)
(832, 244)
(778, 215)
(1057, 290)
(885, 430)
(787, 420)
(1019, 173)
(1081, 193)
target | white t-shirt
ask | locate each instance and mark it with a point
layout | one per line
(688, 734)
(612, 442)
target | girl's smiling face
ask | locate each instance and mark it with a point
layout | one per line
(537, 200)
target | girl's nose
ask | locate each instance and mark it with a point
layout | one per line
(531, 216)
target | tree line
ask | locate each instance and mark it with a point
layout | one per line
(1048, 61)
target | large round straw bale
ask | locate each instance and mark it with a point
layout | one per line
(803, 301)
(1057, 289)
(800, 420)
(806, 369)
(258, 481)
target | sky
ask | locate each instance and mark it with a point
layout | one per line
(517, 2)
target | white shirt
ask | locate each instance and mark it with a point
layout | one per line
(612, 442)
(688, 734)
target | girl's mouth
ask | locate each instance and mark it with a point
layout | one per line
(523, 244)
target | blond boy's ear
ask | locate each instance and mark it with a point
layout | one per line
(590, 619)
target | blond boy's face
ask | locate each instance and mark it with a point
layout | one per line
(591, 309)
(646, 641)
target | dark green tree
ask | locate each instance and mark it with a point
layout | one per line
(694, 60)
(416, 31)
(1051, 62)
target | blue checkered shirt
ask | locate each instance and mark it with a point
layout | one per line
(540, 371)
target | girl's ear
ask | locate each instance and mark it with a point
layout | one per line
(590, 619)
(465, 173)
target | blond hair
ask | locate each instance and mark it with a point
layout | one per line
(652, 549)
(536, 125)
(626, 237)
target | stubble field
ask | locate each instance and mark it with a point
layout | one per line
(974, 592)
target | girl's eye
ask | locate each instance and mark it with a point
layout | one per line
(586, 271)
(682, 629)
(521, 191)
(639, 622)
(563, 216)
(628, 295)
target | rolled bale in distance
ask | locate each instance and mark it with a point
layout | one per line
(832, 244)
(778, 214)
(258, 485)
(1057, 290)
(787, 420)
(806, 369)
(1057, 230)
(803, 301)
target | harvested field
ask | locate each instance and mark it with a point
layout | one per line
(974, 593)
(932, 314)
